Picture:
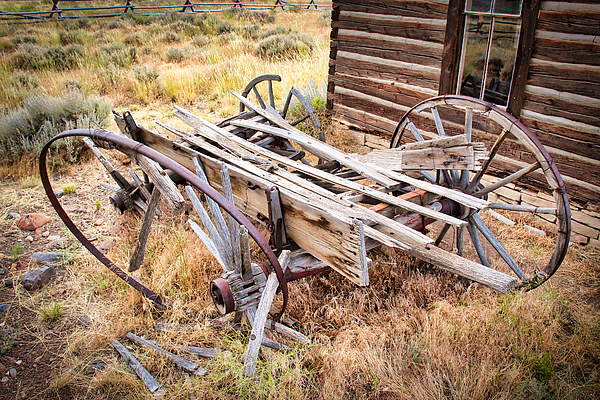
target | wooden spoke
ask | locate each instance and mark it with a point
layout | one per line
(477, 243)
(440, 237)
(459, 240)
(478, 222)
(523, 208)
(140, 248)
(258, 97)
(271, 95)
(505, 181)
(234, 229)
(464, 175)
(486, 163)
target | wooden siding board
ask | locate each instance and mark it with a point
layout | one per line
(432, 33)
(346, 66)
(411, 54)
(576, 22)
(587, 114)
(364, 120)
(408, 8)
(584, 83)
(564, 51)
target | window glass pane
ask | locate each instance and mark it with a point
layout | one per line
(474, 54)
(512, 7)
(478, 5)
(501, 60)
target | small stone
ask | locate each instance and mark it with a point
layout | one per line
(96, 366)
(5, 379)
(53, 238)
(46, 233)
(9, 283)
(99, 222)
(59, 194)
(2, 271)
(29, 239)
(38, 277)
(39, 231)
(2, 368)
(12, 372)
(83, 320)
(38, 205)
(3, 309)
(56, 292)
(104, 247)
(13, 266)
(13, 215)
(126, 161)
(32, 221)
(42, 258)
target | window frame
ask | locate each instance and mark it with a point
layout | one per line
(453, 45)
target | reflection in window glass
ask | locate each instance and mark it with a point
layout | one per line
(484, 6)
(501, 60)
(475, 54)
(512, 7)
(489, 49)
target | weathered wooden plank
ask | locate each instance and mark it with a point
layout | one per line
(378, 46)
(180, 361)
(140, 247)
(577, 22)
(330, 239)
(568, 52)
(408, 29)
(260, 317)
(584, 113)
(364, 120)
(151, 383)
(408, 8)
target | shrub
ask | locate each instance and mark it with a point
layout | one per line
(285, 46)
(25, 130)
(25, 80)
(325, 18)
(260, 17)
(24, 37)
(134, 38)
(52, 312)
(200, 40)
(73, 36)
(212, 25)
(249, 31)
(175, 54)
(33, 56)
(278, 30)
(120, 55)
(184, 27)
(144, 74)
(170, 37)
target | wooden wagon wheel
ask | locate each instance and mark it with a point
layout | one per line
(515, 157)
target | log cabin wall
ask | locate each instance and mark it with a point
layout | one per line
(387, 56)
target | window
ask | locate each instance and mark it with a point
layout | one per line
(488, 45)
(489, 49)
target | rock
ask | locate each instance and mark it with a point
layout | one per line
(52, 258)
(5, 379)
(83, 320)
(2, 271)
(56, 292)
(2, 368)
(53, 238)
(9, 283)
(126, 161)
(39, 231)
(59, 194)
(32, 221)
(99, 222)
(13, 215)
(12, 372)
(29, 239)
(38, 277)
(57, 244)
(96, 366)
(46, 233)
(104, 247)
(3, 309)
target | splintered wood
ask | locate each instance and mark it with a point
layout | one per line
(320, 208)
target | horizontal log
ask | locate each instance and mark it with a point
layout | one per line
(433, 9)
(408, 73)
(563, 51)
(379, 47)
(364, 120)
(577, 22)
(410, 30)
(411, 92)
(563, 109)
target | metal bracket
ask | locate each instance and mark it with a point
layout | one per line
(275, 225)
(131, 128)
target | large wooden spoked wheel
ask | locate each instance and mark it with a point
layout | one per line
(516, 157)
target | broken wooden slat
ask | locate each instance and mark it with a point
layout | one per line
(460, 158)
(140, 248)
(161, 180)
(151, 383)
(260, 317)
(287, 331)
(210, 245)
(234, 227)
(205, 352)
(180, 361)
(318, 148)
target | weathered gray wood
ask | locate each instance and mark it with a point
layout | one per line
(246, 265)
(103, 160)
(151, 383)
(523, 208)
(318, 148)
(260, 317)
(505, 181)
(266, 342)
(234, 227)
(140, 185)
(205, 352)
(287, 331)
(477, 244)
(161, 180)
(109, 186)
(215, 210)
(210, 228)
(501, 218)
(140, 248)
(210, 245)
(478, 222)
(187, 365)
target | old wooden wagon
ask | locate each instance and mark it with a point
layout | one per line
(323, 208)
